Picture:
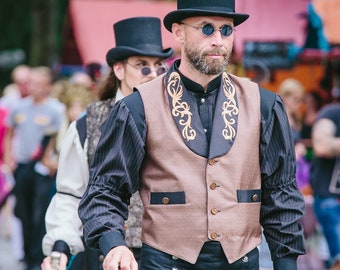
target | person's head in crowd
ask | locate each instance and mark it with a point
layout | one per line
(76, 97)
(138, 56)
(20, 77)
(81, 78)
(292, 92)
(40, 83)
(94, 70)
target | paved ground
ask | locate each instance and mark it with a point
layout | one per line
(7, 261)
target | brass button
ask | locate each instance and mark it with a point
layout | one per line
(213, 236)
(255, 197)
(212, 161)
(214, 211)
(165, 200)
(213, 186)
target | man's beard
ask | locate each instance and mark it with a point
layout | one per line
(200, 63)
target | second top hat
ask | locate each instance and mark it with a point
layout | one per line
(137, 36)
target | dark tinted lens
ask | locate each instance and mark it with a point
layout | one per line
(226, 30)
(145, 70)
(160, 70)
(208, 29)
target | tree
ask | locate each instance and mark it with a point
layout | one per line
(33, 27)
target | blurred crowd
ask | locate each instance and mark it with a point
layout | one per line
(35, 112)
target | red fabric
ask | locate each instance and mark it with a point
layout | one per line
(3, 128)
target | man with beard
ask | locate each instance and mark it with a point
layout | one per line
(211, 154)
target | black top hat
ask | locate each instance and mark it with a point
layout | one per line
(192, 8)
(138, 36)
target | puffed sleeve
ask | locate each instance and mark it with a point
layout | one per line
(282, 203)
(61, 219)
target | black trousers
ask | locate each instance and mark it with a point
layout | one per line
(90, 259)
(33, 193)
(211, 257)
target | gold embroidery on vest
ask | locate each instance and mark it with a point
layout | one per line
(229, 108)
(179, 108)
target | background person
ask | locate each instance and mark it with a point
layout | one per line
(325, 166)
(31, 124)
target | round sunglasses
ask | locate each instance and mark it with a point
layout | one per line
(146, 70)
(208, 29)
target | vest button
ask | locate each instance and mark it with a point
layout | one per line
(165, 200)
(255, 197)
(214, 211)
(101, 258)
(212, 161)
(213, 186)
(202, 100)
(213, 236)
(174, 258)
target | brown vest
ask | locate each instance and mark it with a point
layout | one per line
(189, 198)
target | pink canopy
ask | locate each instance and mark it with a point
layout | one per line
(274, 20)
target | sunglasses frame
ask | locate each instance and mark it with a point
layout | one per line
(211, 26)
(146, 70)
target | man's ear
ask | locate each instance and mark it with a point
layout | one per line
(178, 32)
(119, 70)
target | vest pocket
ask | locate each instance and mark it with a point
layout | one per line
(167, 198)
(249, 196)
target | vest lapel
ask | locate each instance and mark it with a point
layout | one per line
(225, 119)
(185, 114)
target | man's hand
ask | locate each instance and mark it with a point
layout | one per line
(47, 263)
(120, 258)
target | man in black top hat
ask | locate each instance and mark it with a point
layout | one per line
(211, 154)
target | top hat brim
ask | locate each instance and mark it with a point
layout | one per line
(178, 15)
(123, 52)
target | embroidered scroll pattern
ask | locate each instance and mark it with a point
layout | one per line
(229, 109)
(180, 109)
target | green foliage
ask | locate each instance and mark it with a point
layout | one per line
(15, 24)
(35, 26)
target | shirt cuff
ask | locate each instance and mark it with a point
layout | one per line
(285, 263)
(110, 240)
(62, 246)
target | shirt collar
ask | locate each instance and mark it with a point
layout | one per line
(119, 95)
(195, 87)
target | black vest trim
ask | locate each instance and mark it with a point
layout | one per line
(69, 194)
(82, 130)
(267, 103)
(135, 105)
